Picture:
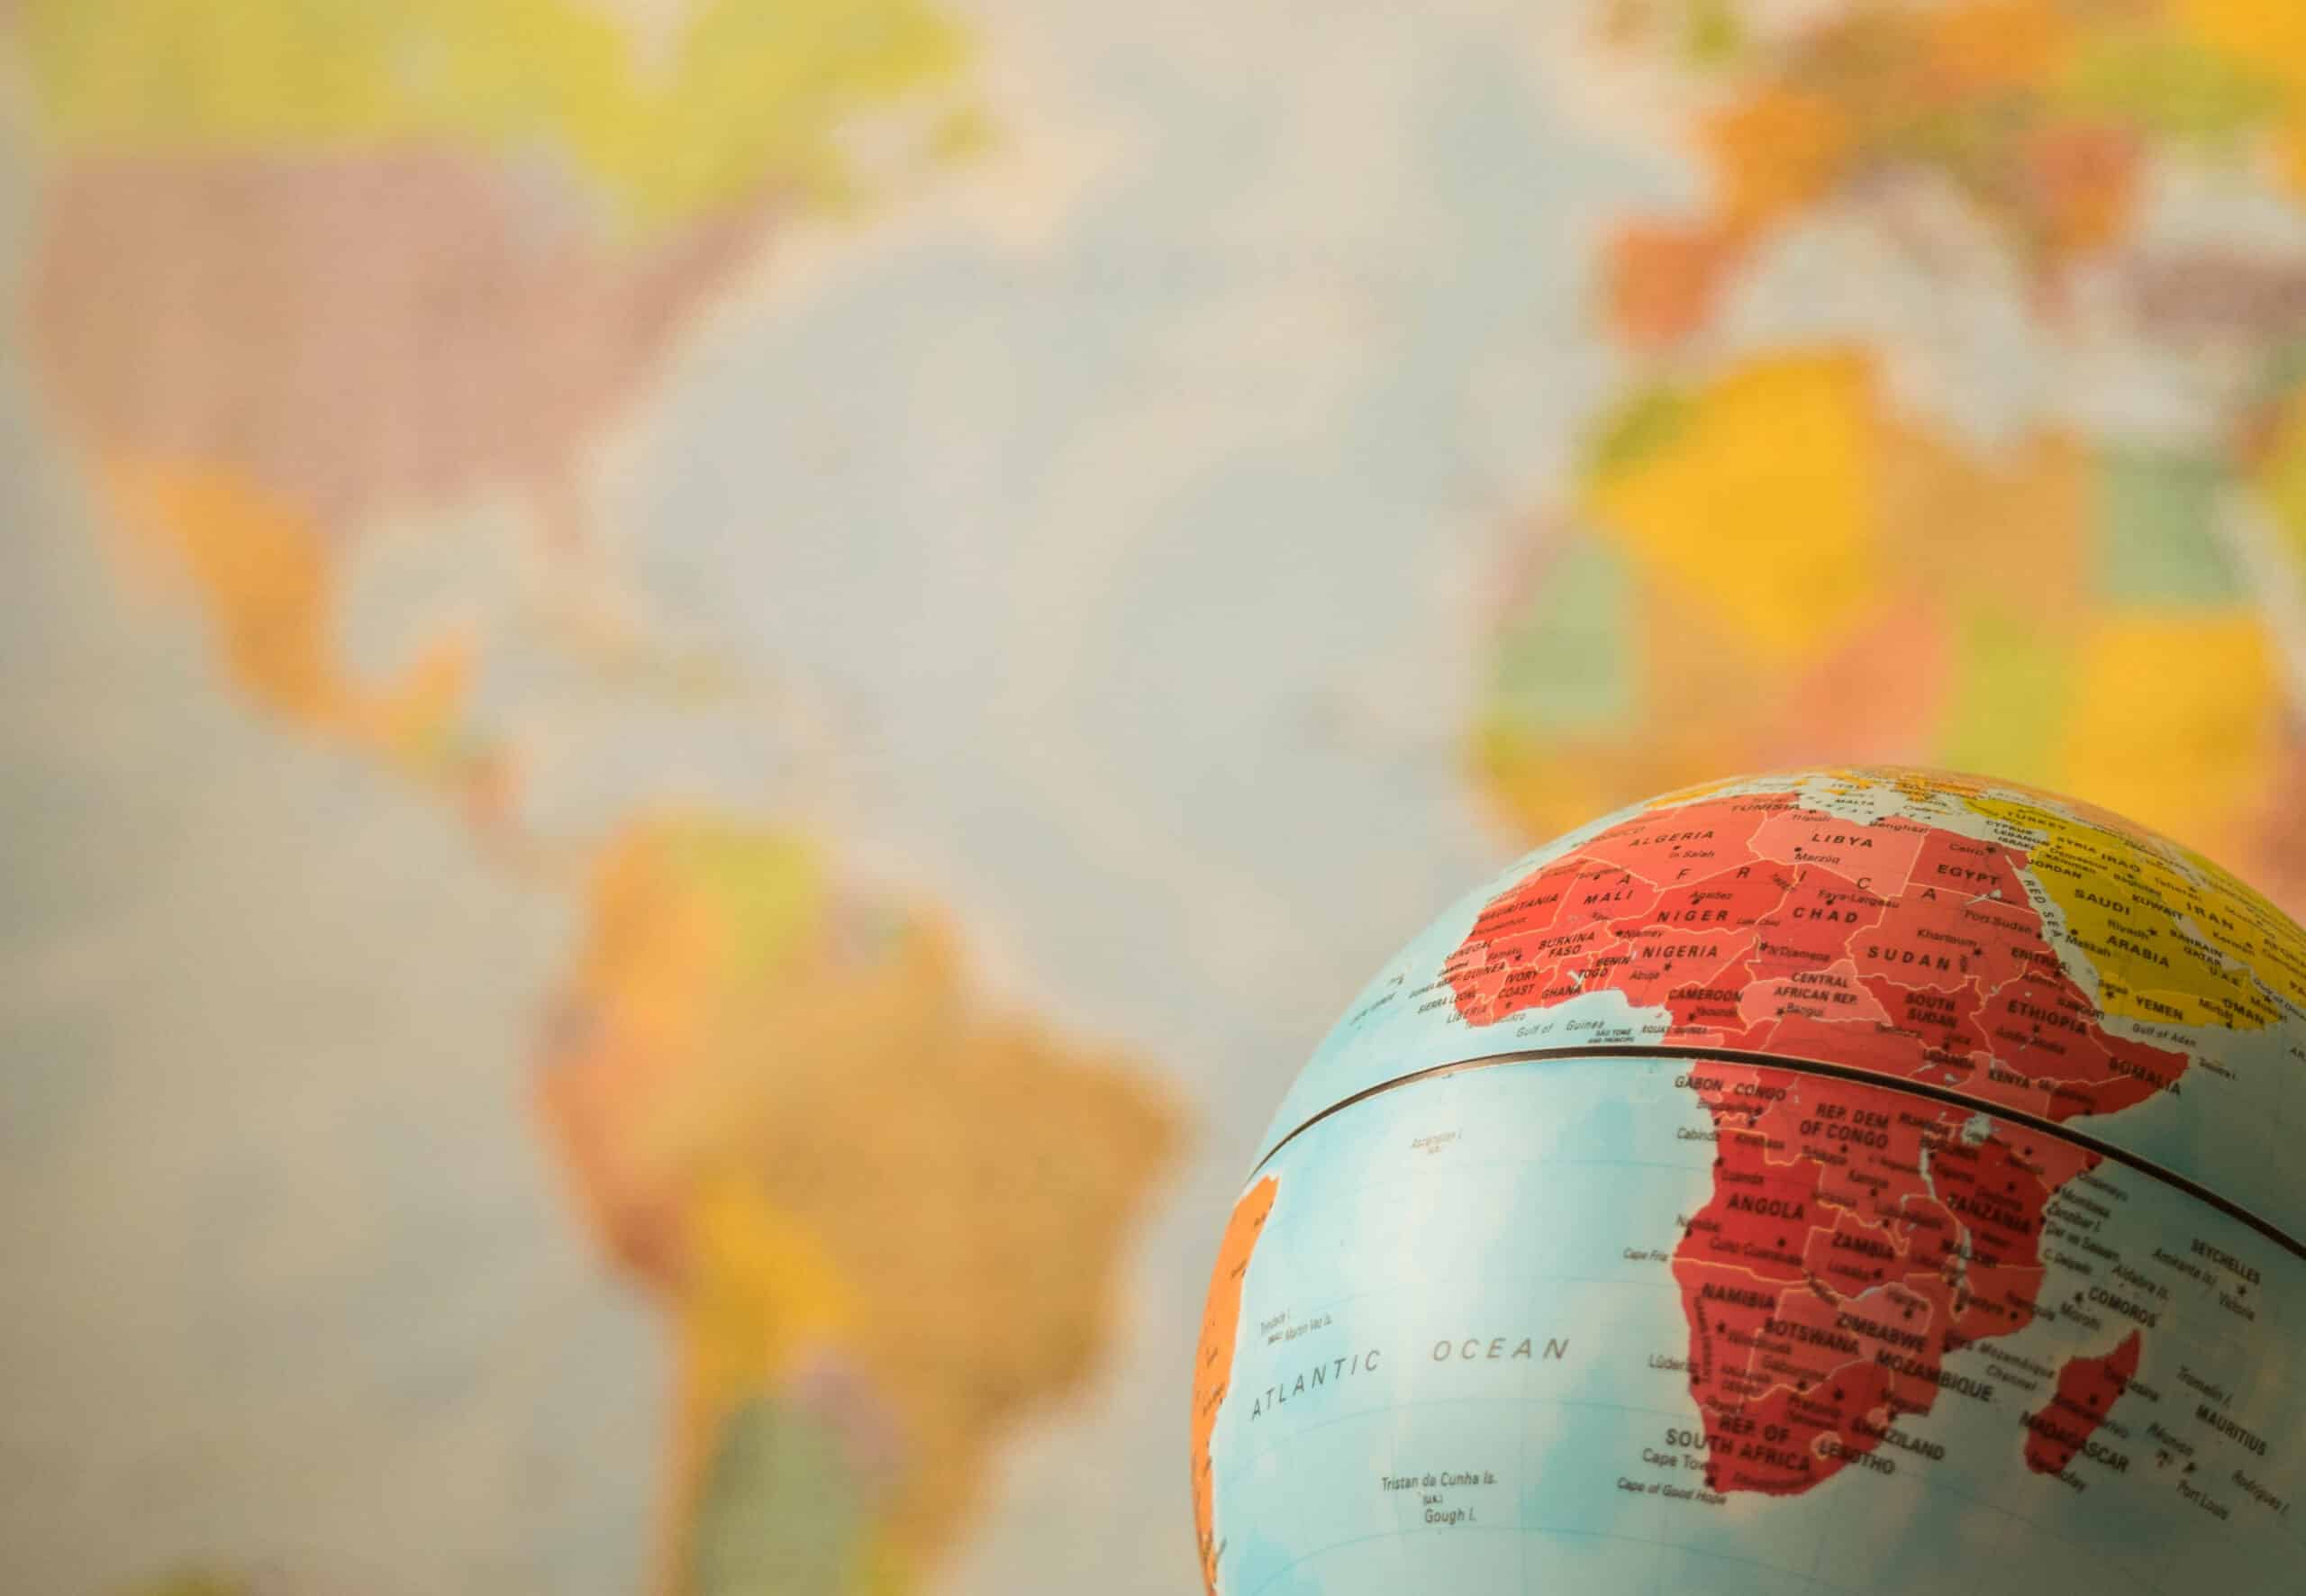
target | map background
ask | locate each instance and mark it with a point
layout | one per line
(1134, 508)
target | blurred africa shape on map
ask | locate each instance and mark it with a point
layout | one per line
(704, 695)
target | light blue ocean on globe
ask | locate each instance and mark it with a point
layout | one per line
(1646, 1226)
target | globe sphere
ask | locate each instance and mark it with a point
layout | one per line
(1847, 1180)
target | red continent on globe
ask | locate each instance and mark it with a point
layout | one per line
(1856, 1236)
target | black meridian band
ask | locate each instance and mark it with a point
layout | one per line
(1837, 1072)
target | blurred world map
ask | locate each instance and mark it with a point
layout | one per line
(704, 698)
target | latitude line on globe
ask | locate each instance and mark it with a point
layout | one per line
(1839, 1072)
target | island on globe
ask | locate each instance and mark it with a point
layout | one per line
(1853, 1180)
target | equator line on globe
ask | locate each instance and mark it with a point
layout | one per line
(1868, 1139)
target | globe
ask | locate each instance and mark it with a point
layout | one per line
(1849, 1180)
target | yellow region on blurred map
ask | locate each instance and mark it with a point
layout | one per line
(1776, 557)
(874, 1207)
(306, 266)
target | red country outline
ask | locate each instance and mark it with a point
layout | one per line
(1854, 1238)
(2087, 1390)
(1761, 925)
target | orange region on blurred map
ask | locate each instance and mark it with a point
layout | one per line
(788, 1115)
(1976, 89)
(266, 578)
(1213, 1371)
(283, 289)
(1957, 595)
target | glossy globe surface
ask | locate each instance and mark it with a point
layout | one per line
(1868, 1181)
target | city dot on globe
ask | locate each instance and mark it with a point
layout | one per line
(1849, 1180)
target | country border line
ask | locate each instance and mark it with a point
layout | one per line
(1837, 1072)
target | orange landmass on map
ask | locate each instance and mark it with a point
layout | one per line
(787, 1114)
(1212, 1375)
(1971, 92)
(266, 575)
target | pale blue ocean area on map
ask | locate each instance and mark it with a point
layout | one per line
(1442, 1222)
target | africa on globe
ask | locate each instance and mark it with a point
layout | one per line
(1849, 1180)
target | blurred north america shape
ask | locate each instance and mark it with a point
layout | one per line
(299, 267)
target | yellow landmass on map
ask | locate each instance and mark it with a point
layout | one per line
(304, 264)
(2291, 151)
(1775, 152)
(1997, 46)
(686, 906)
(2175, 720)
(2279, 474)
(2171, 942)
(785, 1111)
(194, 1582)
(751, 93)
(2267, 38)
(1941, 667)
(1982, 93)
(2265, 41)
(761, 1296)
(1784, 450)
